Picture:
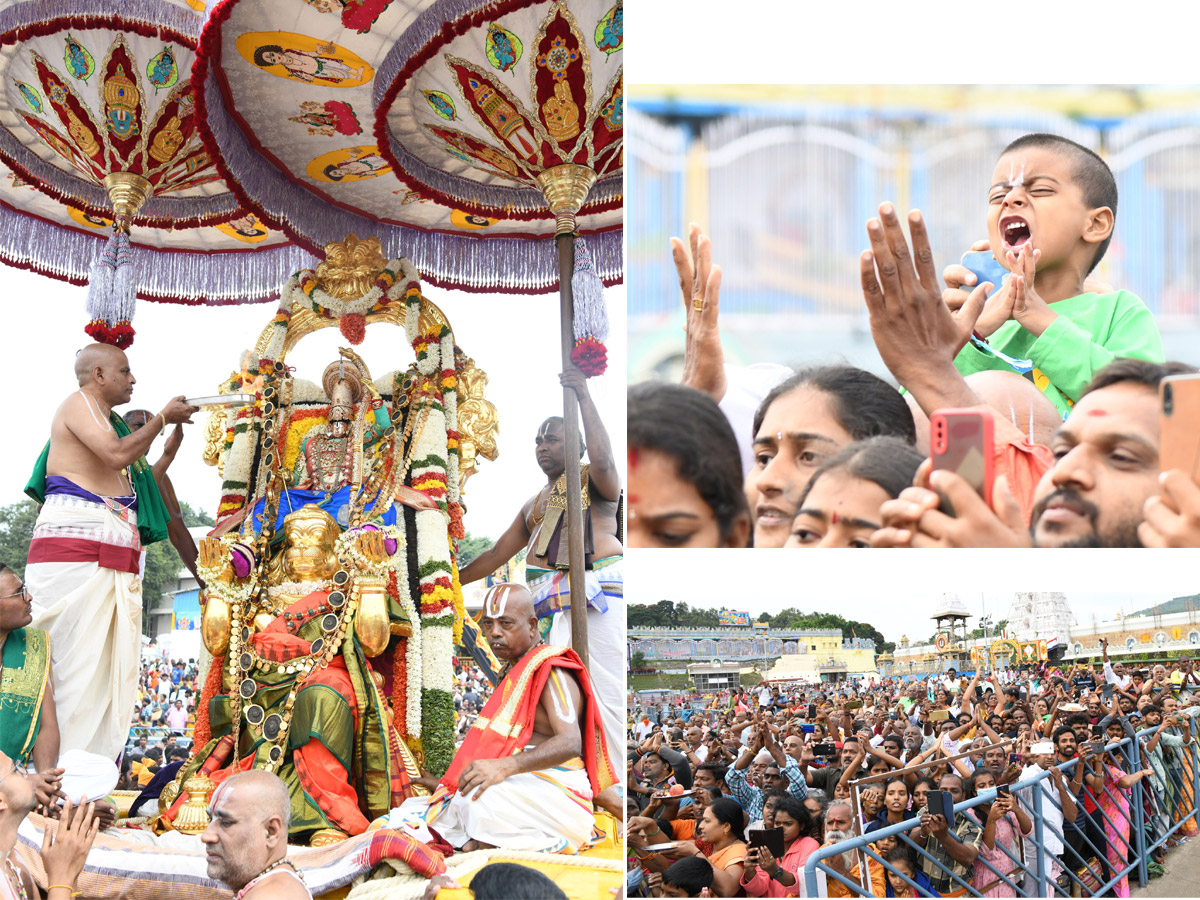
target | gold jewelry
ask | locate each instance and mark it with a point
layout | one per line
(164, 424)
(698, 303)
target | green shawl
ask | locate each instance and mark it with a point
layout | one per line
(152, 514)
(26, 665)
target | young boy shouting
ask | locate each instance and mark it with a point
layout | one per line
(1051, 211)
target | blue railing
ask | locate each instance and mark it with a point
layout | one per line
(1090, 872)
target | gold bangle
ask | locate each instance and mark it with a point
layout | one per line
(164, 424)
(67, 886)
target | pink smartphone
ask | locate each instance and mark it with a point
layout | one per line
(960, 441)
(1179, 425)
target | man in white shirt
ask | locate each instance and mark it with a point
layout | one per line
(1057, 799)
(1114, 674)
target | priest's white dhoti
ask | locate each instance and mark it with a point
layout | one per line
(93, 614)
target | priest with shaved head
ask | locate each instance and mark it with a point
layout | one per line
(100, 506)
(526, 774)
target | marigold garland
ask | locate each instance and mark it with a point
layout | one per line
(202, 733)
(400, 687)
(460, 610)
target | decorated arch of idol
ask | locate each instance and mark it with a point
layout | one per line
(331, 579)
(325, 158)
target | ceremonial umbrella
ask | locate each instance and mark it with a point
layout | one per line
(465, 134)
(98, 138)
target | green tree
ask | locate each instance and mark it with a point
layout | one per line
(16, 530)
(637, 660)
(193, 517)
(162, 573)
(471, 546)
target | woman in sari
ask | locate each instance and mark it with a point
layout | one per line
(1114, 800)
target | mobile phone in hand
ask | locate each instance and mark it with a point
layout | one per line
(1179, 425)
(985, 268)
(960, 440)
(1003, 790)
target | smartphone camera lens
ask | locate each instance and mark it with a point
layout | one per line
(1168, 399)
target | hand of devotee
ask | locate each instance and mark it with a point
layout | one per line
(700, 285)
(177, 412)
(481, 775)
(65, 846)
(572, 377)
(174, 440)
(914, 520)
(106, 813)
(436, 884)
(682, 850)
(1172, 519)
(960, 280)
(46, 786)
(1034, 313)
(914, 331)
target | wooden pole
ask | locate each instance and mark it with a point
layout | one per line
(575, 556)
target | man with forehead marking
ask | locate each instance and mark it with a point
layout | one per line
(541, 528)
(526, 774)
(246, 840)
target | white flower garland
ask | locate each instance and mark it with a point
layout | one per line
(238, 590)
(431, 442)
(450, 404)
(438, 669)
(293, 292)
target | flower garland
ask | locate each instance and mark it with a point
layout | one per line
(412, 647)
(391, 283)
(233, 591)
(449, 386)
(428, 462)
(460, 609)
(346, 546)
(202, 733)
(400, 687)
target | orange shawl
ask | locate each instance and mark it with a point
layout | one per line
(505, 724)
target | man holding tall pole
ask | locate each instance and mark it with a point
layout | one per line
(543, 526)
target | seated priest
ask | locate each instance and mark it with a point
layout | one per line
(526, 774)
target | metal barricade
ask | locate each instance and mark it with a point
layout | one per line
(1109, 843)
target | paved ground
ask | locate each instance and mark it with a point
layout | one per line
(1182, 878)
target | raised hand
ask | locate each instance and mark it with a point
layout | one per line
(700, 286)
(914, 330)
(65, 846)
(1034, 313)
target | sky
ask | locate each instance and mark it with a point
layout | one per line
(190, 350)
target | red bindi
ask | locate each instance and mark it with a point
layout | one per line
(1097, 413)
(834, 518)
(632, 455)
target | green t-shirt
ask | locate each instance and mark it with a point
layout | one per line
(1090, 332)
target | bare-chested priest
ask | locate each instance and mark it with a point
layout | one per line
(100, 506)
(541, 526)
(525, 775)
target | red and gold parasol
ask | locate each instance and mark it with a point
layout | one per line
(98, 139)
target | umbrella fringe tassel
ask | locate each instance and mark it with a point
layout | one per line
(112, 294)
(590, 315)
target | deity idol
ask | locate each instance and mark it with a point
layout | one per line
(297, 695)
